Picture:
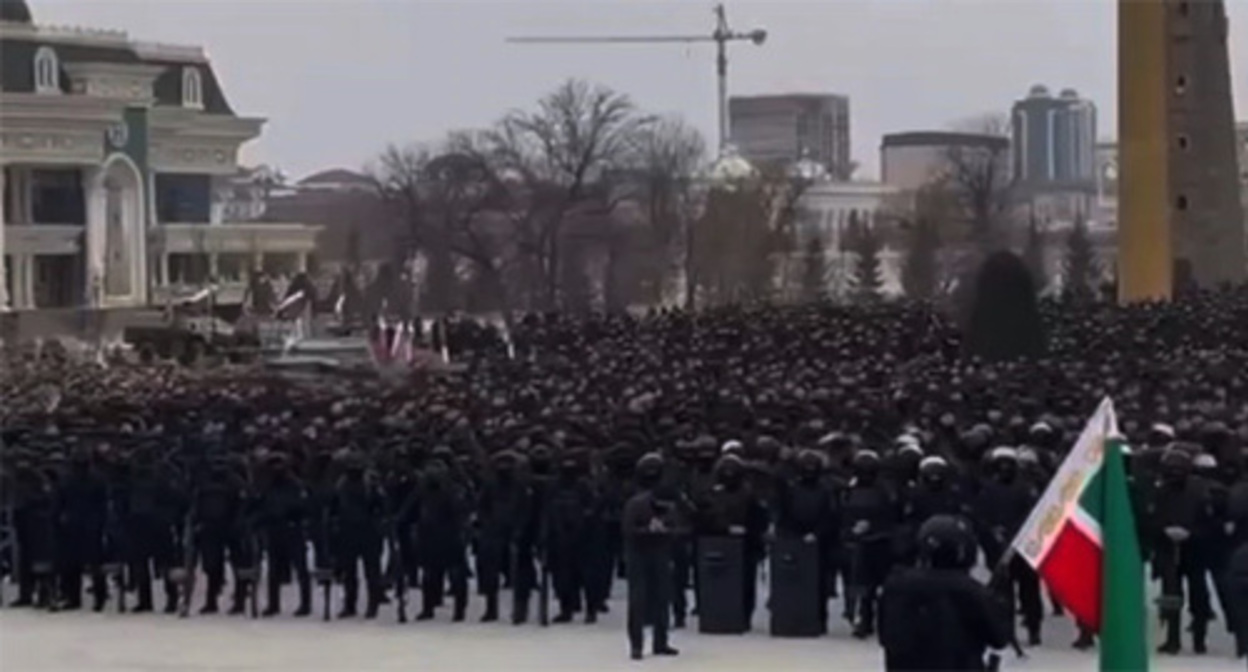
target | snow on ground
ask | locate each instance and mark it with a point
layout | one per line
(34, 641)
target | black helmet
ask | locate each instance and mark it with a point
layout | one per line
(947, 542)
(650, 470)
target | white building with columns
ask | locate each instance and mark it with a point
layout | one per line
(113, 155)
(826, 210)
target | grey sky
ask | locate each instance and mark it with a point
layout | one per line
(338, 79)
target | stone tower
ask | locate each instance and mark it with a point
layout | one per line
(1181, 220)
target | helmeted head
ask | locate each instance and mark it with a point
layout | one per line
(947, 542)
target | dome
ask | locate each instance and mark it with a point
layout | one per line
(15, 11)
(1038, 91)
(808, 169)
(730, 167)
(1069, 94)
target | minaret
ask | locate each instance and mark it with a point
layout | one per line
(1180, 217)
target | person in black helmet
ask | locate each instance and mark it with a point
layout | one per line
(935, 616)
(651, 525)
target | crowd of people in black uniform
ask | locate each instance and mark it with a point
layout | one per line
(607, 446)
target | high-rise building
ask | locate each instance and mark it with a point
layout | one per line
(786, 128)
(1054, 139)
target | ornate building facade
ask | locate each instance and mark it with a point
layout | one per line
(113, 156)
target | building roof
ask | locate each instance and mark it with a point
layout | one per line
(944, 139)
(16, 11)
(18, 44)
(335, 176)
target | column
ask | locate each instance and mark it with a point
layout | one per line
(301, 262)
(27, 266)
(96, 230)
(4, 222)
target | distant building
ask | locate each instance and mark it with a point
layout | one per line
(115, 159)
(353, 219)
(826, 211)
(1054, 139)
(909, 161)
(787, 128)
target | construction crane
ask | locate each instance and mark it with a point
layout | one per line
(721, 37)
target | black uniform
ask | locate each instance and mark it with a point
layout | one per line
(1000, 508)
(651, 525)
(733, 509)
(870, 516)
(935, 616)
(283, 516)
(1176, 518)
(442, 535)
(503, 507)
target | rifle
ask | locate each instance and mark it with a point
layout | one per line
(324, 565)
(187, 579)
(1001, 575)
(543, 559)
(8, 549)
(114, 569)
(399, 570)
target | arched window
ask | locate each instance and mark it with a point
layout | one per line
(192, 88)
(47, 71)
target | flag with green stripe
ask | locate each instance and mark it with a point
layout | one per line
(1082, 541)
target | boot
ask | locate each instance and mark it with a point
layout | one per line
(1200, 631)
(491, 609)
(210, 604)
(238, 602)
(1173, 645)
(1033, 636)
(1085, 641)
(171, 598)
(274, 603)
(305, 599)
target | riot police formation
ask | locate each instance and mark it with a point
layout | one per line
(741, 466)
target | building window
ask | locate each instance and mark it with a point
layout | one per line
(47, 71)
(192, 88)
(188, 269)
(183, 199)
(233, 267)
(56, 196)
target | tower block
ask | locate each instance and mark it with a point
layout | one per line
(1181, 221)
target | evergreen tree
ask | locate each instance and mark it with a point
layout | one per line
(1081, 267)
(1034, 255)
(920, 276)
(814, 280)
(868, 278)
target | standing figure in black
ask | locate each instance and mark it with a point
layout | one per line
(218, 530)
(733, 509)
(283, 516)
(935, 616)
(651, 525)
(870, 516)
(442, 514)
(805, 509)
(358, 505)
(571, 505)
(82, 505)
(1004, 501)
(1174, 519)
(502, 510)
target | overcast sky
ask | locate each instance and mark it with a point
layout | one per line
(339, 79)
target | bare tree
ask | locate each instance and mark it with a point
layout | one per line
(561, 153)
(744, 234)
(670, 155)
(397, 174)
(977, 177)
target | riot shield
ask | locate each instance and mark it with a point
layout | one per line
(721, 585)
(797, 599)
